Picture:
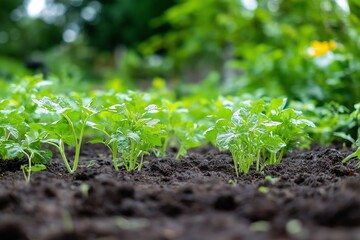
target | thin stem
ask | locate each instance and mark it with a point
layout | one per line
(164, 147)
(7, 134)
(235, 164)
(77, 150)
(62, 153)
(114, 155)
(351, 156)
(28, 174)
(78, 146)
(132, 158)
(281, 155)
(258, 160)
(61, 150)
(141, 162)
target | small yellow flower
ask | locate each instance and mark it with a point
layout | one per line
(158, 83)
(321, 48)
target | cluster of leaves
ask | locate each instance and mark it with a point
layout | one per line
(135, 124)
(130, 130)
(257, 131)
(66, 122)
(333, 121)
(181, 130)
(18, 140)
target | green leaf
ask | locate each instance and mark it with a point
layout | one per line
(278, 103)
(305, 122)
(133, 136)
(271, 123)
(274, 144)
(14, 150)
(38, 167)
(96, 140)
(237, 119)
(152, 109)
(151, 122)
(50, 105)
(224, 140)
(345, 136)
(12, 130)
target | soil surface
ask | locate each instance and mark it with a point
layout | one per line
(310, 195)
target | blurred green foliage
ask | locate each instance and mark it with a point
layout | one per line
(263, 47)
(266, 45)
(75, 35)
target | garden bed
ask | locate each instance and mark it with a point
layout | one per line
(310, 195)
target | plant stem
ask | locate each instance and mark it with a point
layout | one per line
(61, 150)
(78, 145)
(235, 164)
(114, 155)
(351, 156)
(258, 160)
(28, 174)
(141, 162)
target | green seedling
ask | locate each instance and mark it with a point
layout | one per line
(263, 189)
(181, 130)
(257, 132)
(18, 141)
(130, 132)
(260, 226)
(271, 179)
(71, 117)
(30, 148)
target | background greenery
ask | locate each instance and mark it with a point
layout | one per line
(229, 46)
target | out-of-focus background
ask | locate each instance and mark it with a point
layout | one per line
(303, 49)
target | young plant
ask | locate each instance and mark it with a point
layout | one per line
(30, 148)
(257, 132)
(12, 120)
(18, 141)
(71, 117)
(130, 132)
(291, 127)
(180, 129)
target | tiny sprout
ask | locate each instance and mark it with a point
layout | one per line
(263, 189)
(260, 226)
(67, 221)
(294, 227)
(131, 224)
(91, 164)
(271, 179)
(232, 181)
(84, 188)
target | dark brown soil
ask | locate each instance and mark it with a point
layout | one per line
(311, 195)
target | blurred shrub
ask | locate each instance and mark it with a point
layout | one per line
(265, 44)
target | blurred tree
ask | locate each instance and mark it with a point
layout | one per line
(106, 24)
(82, 29)
(125, 22)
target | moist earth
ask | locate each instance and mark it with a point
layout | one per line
(310, 195)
